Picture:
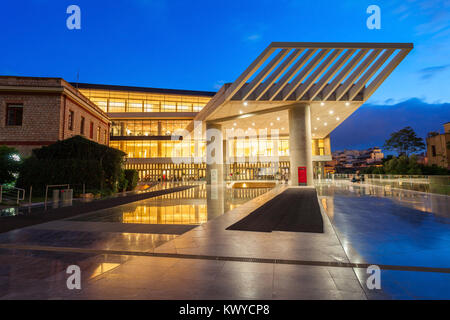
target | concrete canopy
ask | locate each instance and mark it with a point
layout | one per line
(334, 79)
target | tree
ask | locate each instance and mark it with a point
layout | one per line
(404, 142)
(9, 164)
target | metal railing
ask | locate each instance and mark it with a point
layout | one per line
(11, 194)
(54, 186)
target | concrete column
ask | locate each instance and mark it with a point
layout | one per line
(214, 154)
(225, 151)
(300, 148)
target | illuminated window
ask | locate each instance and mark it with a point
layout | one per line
(101, 103)
(116, 105)
(184, 108)
(169, 108)
(135, 106)
(98, 134)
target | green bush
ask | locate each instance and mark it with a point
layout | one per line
(132, 177)
(9, 164)
(122, 182)
(406, 165)
(73, 161)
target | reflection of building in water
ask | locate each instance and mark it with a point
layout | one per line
(200, 192)
(170, 214)
(191, 206)
(328, 206)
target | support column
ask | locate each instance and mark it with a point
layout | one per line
(214, 154)
(300, 148)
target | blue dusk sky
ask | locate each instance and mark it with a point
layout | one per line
(200, 45)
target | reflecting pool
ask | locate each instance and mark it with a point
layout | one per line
(397, 227)
(192, 206)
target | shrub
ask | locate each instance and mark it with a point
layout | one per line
(9, 164)
(132, 177)
(74, 161)
(122, 182)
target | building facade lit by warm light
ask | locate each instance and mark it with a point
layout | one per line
(143, 121)
(36, 112)
(273, 122)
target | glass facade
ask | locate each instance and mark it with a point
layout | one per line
(113, 101)
(236, 148)
(139, 127)
(143, 137)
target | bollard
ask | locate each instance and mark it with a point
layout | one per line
(55, 195)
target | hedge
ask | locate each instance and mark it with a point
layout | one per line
(132, 177)
(74, 161)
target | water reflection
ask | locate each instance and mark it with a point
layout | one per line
(192, 206)
(438, 205)
(388, 226)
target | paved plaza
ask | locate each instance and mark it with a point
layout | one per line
(189, 254)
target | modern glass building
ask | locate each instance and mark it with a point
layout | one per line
(273, 122)
(143, 121)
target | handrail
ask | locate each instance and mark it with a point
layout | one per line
(13, 191)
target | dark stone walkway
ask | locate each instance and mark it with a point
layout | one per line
(295, 210)
(40, 215)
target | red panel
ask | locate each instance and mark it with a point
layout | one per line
(302, 176)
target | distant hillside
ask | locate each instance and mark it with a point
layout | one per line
(372, 124)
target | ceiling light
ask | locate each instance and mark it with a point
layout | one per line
(318, 118)
(325, 124)
(322, 104)
(245, 103)
(315, 128)
(347, 104)
(240, 111)
(253, 124)
(278, 118)
(271, 123)
(331, 112)
(234, 124)
(337, 118)
(282, 128)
